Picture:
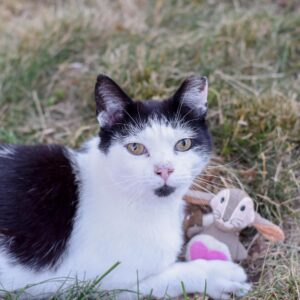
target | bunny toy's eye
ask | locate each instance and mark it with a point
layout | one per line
(222, 200)
(243, 207)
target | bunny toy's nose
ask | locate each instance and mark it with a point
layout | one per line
(163, 171)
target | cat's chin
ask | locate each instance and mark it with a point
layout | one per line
(164, 191)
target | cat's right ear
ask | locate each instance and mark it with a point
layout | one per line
(111, 101)
(193, 94)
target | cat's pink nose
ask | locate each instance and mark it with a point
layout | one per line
(163, 171)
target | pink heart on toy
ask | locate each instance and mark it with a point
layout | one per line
(199, 251)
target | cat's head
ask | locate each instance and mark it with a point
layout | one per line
(154, 147)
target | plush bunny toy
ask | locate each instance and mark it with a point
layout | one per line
(233, 210)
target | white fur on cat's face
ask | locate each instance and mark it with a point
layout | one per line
(134, 174)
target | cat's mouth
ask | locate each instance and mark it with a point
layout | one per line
(164, 191)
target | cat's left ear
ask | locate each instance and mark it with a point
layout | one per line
(111, 101)
(193, 93)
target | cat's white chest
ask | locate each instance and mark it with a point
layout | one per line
(146, 249)
(153, 244)
(143, 243)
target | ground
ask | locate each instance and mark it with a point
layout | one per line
(51, 52)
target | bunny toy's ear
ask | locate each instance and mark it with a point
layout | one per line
(269, 230)
(198, 197)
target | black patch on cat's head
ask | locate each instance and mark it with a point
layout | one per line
(187, 107)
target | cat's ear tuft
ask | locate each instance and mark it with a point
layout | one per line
(193, 93)
(111, 101)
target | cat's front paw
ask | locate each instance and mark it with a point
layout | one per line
(224, 278)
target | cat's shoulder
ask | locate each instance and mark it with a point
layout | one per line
(38, 201)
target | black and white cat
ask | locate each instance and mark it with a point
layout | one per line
(66, 213)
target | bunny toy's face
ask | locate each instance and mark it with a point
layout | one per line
(233, 210)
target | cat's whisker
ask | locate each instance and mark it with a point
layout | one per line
(119, 182)
(213, 184)
(207, 183)
(133, 177)
(136, 176)
(129, 181)
(141, 181)
(122, 182)
(139, 115)
(178, 112)
(203, 188)
(197, 183)
(196, 170)
(128, 191)
(135, 122)
(186, 123)
(137, 197)
(223, 165)
(134, 195)
(220, 177)
(182, 120)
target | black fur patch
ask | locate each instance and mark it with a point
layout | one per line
(38, 202)
(164, 191)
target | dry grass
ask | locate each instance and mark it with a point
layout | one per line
(51, 52)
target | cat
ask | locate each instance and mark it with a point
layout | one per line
(75, 213)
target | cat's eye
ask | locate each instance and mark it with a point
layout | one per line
(136, 148)
(222, 200)
(243, 207)
(183, 145)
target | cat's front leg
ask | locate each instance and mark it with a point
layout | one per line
(219, 279)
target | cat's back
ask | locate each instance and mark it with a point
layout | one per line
(38, 201)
